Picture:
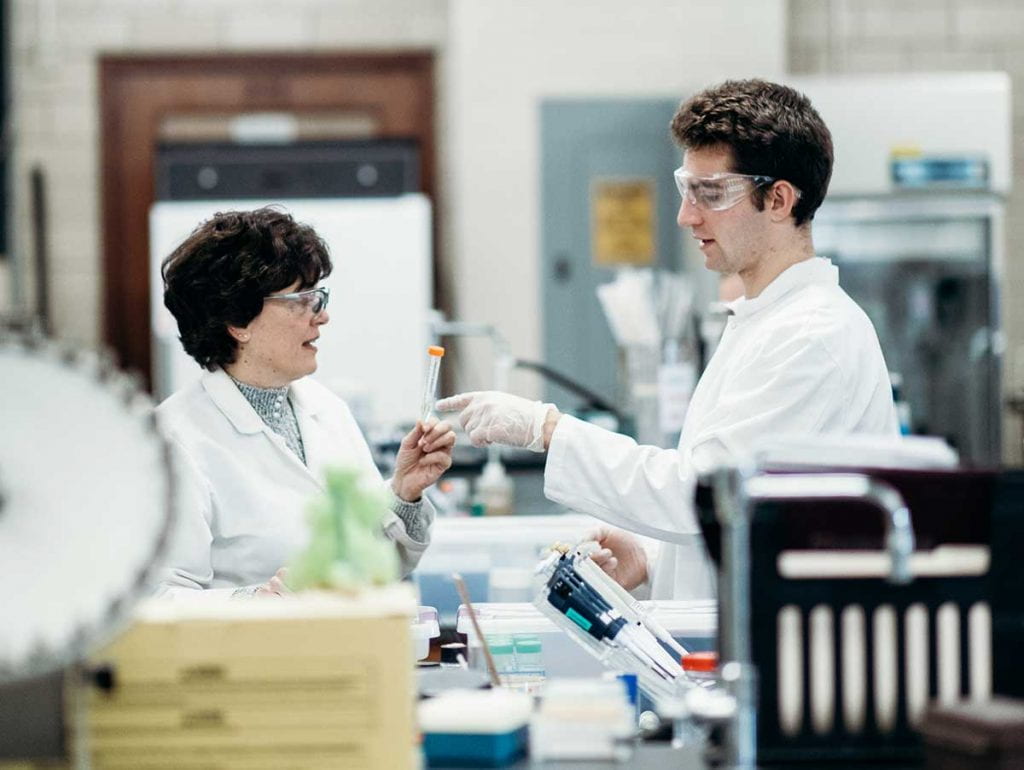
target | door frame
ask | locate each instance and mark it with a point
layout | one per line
(137, 92)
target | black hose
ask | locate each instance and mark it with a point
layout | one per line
(591, 400)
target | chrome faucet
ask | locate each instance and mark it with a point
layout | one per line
(899, 532)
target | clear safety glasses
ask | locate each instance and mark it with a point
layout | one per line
(314, 300)
(719, 191)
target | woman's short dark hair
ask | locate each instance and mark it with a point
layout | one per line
(219, 276)
(771, 129)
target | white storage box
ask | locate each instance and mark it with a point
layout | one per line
(692, 623)
(424, 628)
(496, 556)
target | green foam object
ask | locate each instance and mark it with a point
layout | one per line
(347, 548)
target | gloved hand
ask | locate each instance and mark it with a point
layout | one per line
(621, 556)
(492, 417)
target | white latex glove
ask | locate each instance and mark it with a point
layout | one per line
(492, 417)
(621, 556)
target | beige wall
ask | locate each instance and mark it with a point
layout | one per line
(497, 59)
(503, 59)
(881, 36)
(54, 99)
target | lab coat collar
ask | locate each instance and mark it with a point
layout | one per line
(229, 399)
(304, 398)
(810, 271)
(239, 411)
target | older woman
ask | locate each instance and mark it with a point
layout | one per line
(253, 435)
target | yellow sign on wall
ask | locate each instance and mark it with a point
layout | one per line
(622, 217)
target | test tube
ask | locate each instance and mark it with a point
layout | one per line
(434, 355)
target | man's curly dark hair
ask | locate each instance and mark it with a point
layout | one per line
(771, 129)
(219, 276)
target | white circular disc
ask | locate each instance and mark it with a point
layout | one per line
(84, 505)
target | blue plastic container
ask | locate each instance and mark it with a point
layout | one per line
(474, 749)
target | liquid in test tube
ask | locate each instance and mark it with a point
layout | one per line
(434, 356)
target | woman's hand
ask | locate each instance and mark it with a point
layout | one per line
(425, 453)
(275, 587)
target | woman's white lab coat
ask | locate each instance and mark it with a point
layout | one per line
(801, 358)
(243, 494)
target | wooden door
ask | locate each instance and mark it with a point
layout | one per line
(394, 92)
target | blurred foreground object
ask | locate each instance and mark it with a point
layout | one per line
(315, 681)
(475, 728)
(85, 513)
(346, 548)
(853, 598)
(978, 736)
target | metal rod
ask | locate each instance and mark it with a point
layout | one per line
(42, 249)
(738, 672)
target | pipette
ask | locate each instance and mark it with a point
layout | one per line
(607, 587)
(606, 621)
(434, 355)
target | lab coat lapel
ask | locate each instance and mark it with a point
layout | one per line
(229, 399)
(315, 444)
(315, 435)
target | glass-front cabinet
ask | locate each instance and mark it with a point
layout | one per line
(925, 269)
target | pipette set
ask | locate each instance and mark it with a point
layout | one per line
(585, 602)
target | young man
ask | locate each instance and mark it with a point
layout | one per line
(798, 356)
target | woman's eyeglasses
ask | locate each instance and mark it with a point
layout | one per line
(311, 299)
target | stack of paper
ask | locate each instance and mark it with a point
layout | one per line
(645, 307)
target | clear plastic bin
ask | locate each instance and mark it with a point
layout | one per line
(424, 628)
(496, 557)
(692, 623)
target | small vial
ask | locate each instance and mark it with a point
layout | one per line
(434, 355)
(529, 654)
(503, 653)
(701, 667)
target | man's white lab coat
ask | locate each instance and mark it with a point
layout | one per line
(801, 358)
(243, 494)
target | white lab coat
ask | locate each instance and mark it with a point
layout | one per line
(243, 494)
(801, 358)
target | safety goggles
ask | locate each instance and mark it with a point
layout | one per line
(314, 300)
(719, 191)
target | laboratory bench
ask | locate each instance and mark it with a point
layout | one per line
(661, 756)
(644, 757)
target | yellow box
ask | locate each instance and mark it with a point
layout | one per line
(318, 680)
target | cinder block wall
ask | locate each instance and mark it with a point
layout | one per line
(878, 36)
(55, 122)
